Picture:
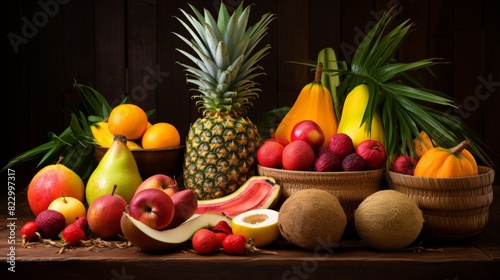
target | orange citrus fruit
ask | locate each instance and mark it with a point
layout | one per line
(129, 120)
(161, 135)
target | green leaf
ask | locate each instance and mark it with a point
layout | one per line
(399, 96)
(93, 101)
(75, 125)
(270, 121)
(75, 143)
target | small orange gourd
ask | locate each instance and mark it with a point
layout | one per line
(439, 162)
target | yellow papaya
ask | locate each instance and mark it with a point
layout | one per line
(313, 103)
(352, 115)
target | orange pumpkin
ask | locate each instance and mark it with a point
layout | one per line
(423, 144)
(439, 162)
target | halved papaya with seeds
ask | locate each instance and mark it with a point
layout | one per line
(258, 192)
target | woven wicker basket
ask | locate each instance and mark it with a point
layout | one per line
(454, 208)
(351, 188)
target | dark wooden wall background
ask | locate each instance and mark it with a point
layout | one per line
(125, 47)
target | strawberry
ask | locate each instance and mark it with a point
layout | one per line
(235, 244)
(205, 241)
(82, 223)
(72, 234)
(28, 231)
(221, 236)
(223, 226)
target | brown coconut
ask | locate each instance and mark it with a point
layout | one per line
(388, 220)
(312, 219)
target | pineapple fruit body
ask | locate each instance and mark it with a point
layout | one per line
(220, 154)
(221, 147)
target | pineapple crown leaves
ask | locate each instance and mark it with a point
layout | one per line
(225, 59)
(399, 96)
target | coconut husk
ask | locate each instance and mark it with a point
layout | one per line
(350, 187)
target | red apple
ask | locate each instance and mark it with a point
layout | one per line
(161, 182)
(186, 204)
(152, 207)
(404, 164)
(49, 183)
(373, 152)
(310, 132)
(104, 215)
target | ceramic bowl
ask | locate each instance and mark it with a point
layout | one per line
(166, 161)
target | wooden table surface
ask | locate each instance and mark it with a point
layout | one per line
(478, 258)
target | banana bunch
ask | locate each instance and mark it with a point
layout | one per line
(104, 138)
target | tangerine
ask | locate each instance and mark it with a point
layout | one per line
(298, 155)
(161, 135)
(129, 120)
(270, 154)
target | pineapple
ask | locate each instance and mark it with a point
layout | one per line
(221, 145)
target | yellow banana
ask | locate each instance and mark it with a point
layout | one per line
(101, 134)
(104, 138)
(133, 145)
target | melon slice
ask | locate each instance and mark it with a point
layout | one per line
(258, 192)
(259, 225)
(149, 239)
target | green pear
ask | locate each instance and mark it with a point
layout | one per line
(117, 167)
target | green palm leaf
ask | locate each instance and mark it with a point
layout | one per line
(406, 107)
(75, 143)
